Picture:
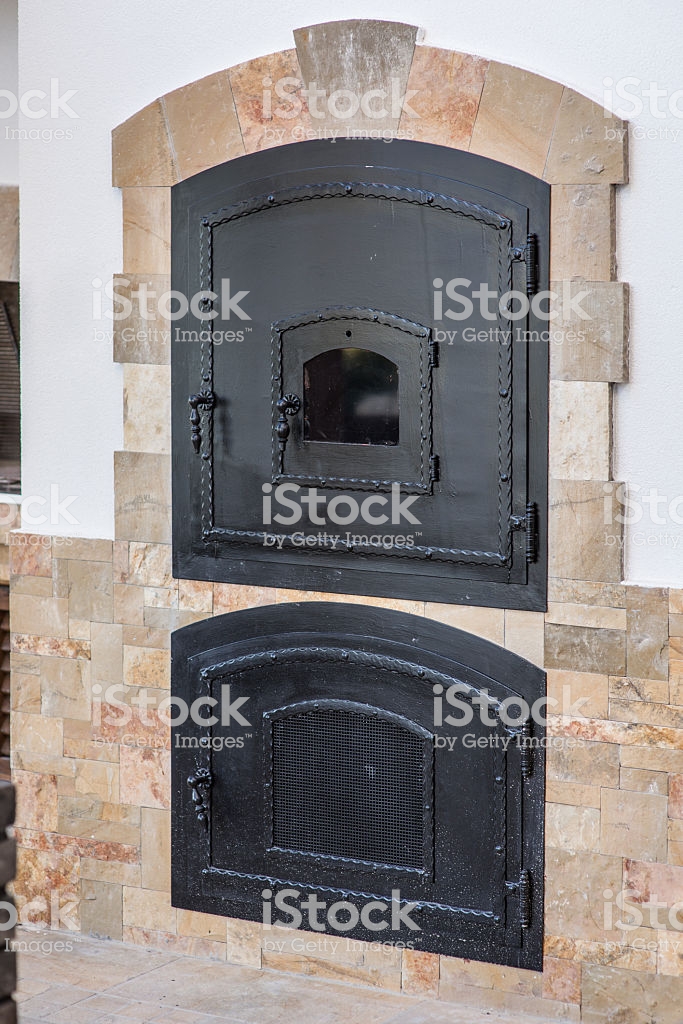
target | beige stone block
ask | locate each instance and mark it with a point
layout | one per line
(99, 831)
(619, 951)
(79, 629)
(582, 226)
(110, 871)
(575, 648)
(359, 56)
(642, 713)
(36, 801)
(201, 926)
(203, 124)
(647, 649)
(36, 733)
(651, 758)
(30, 554)
(568, 688)
(301, 963)
(49, 646)
(574, 901)
(145, 908)
(24, 664)
(165, 620)
(161, 597)
(90, 591)
(128, 604)
(147, 232)
(640, 781)
(524, 635)
(26, 694)
(36, 586)
(232, 597)
(633, 825)
(96, 778)
(65, 688)
(488, 623)
(609, 994)
(101, 909)
(41, 616)
(146, 666)
(446, 88)
(670, 953)
(420, 973)
(561, 980)
(155, 848)
(663, 882)
(581, 592)
(142, 335)
(676, 625)
(145, 636)
(177, 945)
(244, 942)
(106, 653)
(150, 565)
(523, 1007)
(83, 740)
(145, 776)
(147, 408)
(84, 549)
(588, 145)
(593, 764)
(142, 483)
(120, 561)
(591, 615)
(195, 596)
(516, 117)
(141, 150)
(572, 793)
(265, 118)
(580, 430)
(9, 233)
(628, 688)
(42, 764)
(572, 828)
(584, 533)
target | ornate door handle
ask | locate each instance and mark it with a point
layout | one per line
(288, 405)
(204, 399)
(200, 784)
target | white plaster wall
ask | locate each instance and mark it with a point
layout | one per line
(9, 150)
(119, 56)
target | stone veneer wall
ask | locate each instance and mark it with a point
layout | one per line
(94, 820)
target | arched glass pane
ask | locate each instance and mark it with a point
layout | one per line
(351, 397)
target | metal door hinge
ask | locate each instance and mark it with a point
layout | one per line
(434, 468)
(529, 523)
(528, 254)
(433, 352)
(522, 889)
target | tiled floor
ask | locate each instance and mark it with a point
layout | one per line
(111, 983)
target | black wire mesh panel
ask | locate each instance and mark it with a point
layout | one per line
(349, 784)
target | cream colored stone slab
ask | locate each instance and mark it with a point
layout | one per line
(590, 331)
(106, 654)
(145, 908)
(201, 926)
(676, 602)
(516, 117)
(488, 623)
(592, 764)
(633, 825)
(141, 150)
(96, 778)
(39, 616)
(203, 124)
(9, 233)
(593, 616)
(141, 333)
(570, 688)
(580, 437)
(640, 781)
(584, 541)
(572, 793)
(655, 691)
(100, 909)
(244, 942)
(82, 739)
(155, 850)
(146, 776)
(580, 592)
(579, 649)
(128, 604)
(150, 565)
(146, 666)
(36, 734)
(110, 871)
(25, 694)
(524, 635)
(572, 828)
(142, 485)
(65, 688)
(582, 227)
(271, 106)
(147, 231)
(36, 801)
(609, 994)
(195, 596)
(588, 145)
(90, 591)
(651, 758)
(144, 636)
(574, 901)
(446, 88)
(349, 60)
(644, 713)
(79, 629)
(647, 653)
(147, 408)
